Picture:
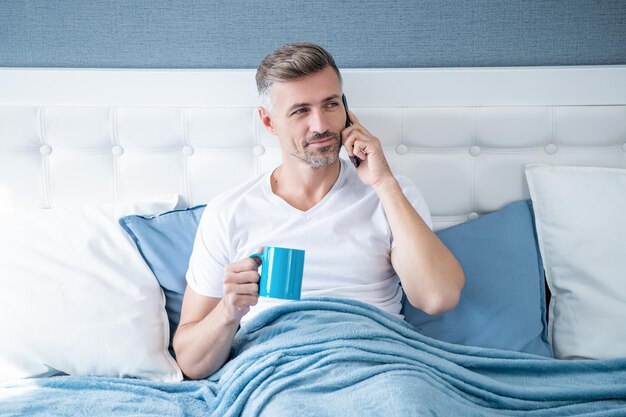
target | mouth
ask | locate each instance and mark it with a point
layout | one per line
(321, 142)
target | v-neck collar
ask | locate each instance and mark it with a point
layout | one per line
(278, 200)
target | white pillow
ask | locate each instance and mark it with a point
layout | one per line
(581, 225)
(76, 297)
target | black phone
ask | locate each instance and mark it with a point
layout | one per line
(355, 159)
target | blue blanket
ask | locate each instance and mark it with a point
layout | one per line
(328, 357)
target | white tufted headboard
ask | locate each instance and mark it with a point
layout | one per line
(463, 135)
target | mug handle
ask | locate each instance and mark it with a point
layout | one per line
(258, 255)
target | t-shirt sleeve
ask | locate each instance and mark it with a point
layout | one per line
(209, 255)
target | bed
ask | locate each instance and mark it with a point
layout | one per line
(103, 178)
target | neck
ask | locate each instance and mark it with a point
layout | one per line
(302, 186)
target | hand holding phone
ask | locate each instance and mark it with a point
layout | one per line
(355, 159)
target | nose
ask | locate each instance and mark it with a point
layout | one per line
(318, 121)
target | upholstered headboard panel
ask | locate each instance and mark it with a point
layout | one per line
(463, 135)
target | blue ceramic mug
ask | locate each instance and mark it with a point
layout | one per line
(281, 272)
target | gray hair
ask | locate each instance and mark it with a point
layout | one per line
(290, 62)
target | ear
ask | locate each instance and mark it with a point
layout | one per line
(266, 119)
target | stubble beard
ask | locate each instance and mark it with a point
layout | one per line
(321, 157)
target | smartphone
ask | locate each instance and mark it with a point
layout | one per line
(355, 159)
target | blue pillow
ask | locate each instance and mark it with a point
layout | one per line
(503, 303)
(165, 242)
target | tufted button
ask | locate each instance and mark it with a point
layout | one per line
(258, 150)
(551, 148)
(402, 149)
(117, 150)
(45, 150)
(624, 147)
(188, 150)
(473, 215)
(474, 150)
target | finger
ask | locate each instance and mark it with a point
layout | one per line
(358, 127)
(349, 145)
(349, 140)
(245, 299)
(360, 151)
(245, 277)
(244, 302)
(250, 300)
(357, 144)
(235, 289)
(249, 289)
(242, 265)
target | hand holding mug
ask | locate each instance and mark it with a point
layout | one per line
(241, 287)
(281, 272)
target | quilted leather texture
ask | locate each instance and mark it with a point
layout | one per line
(466, 159)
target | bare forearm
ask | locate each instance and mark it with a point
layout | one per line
(203, 347)
(431, 276)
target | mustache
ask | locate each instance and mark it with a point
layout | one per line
(321, 136)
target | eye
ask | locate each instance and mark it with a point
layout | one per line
(301, 110)
(332, 104)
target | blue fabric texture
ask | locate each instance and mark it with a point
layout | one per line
(503, 303)
(165, 242)
(330, 357)
(366, 33)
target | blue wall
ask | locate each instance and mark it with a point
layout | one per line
(366, 33)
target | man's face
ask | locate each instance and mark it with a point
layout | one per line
(308, 116)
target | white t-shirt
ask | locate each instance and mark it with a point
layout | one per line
(346, 237)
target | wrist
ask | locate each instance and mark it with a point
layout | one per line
(385, 185)
(229, 315)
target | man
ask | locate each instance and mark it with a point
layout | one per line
(364, 231)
